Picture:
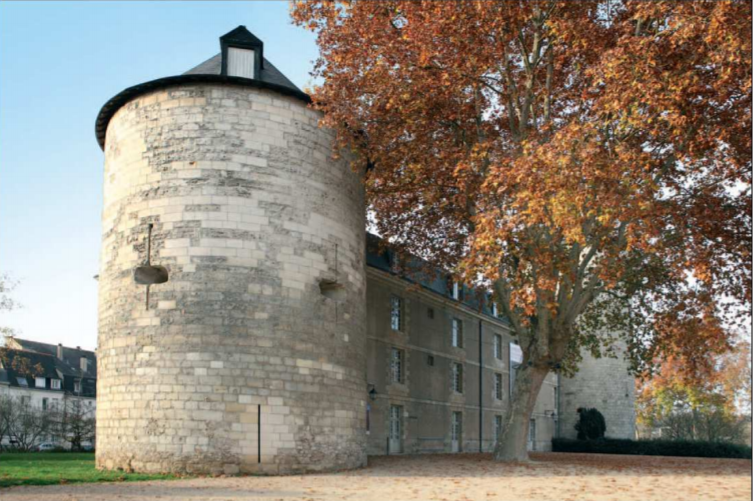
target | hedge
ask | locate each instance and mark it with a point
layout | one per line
(682, 448)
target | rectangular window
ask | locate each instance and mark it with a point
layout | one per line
(495, 312)
(532, 435)
(430, 312)
(457, 378)
(456, 291)
(40, 382)
(498, 347)
(397, 361)
(44, 404)
(396, 313)
(368, 419)
(22, 381)
(430, 360)
(457, 333)
(240, 62)
(556, 400)
(77, 386)
(497, 427)
(55, 384)
(498, 386)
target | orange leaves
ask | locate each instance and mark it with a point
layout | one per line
(511, 138)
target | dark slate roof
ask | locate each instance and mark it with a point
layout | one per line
(269, 73)
(41, 364)
(207, 72)
(414, 271)
(70, 365)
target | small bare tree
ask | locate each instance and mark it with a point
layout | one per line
(27, 424)
(77, 421)
(6, 406)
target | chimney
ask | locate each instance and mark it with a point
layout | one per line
(60, 351)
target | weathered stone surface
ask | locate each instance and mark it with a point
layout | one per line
(250, 213)
(603, 383)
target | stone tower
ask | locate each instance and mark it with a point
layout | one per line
(605, 384)
(232, 277)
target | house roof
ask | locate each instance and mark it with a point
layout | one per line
(26, 365)
(70, 365)
(269, 73)
(210, 71)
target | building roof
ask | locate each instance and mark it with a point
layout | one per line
(210, 71)
(25, 365)
(417, 271)
(70, 364)
(269, 73)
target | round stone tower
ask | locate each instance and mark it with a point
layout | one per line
(232, 277)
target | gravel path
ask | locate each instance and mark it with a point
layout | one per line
(464, 477)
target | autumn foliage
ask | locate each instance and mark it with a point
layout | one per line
(588, 161)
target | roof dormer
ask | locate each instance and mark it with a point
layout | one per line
(242, 54)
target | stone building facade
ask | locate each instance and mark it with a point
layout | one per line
(602, 383)
(234, 334)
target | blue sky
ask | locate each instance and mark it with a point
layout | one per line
(59, 63)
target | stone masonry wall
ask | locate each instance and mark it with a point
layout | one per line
(605, 384)
(250, 213)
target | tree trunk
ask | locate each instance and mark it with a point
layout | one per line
(512, 442)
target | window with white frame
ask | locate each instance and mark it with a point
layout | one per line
(396, 313)
(77, 386)
(495, 311)
(55, 384)
(556, 400)
(397, 365)
(498, 386)
(457, 333)
(457, 378)
(40, 382)
(240, 62)
(497, 427)
(456, 291)
(497, 343)
(532, 435)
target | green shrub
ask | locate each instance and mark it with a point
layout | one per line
(591, 425)
(681, 448)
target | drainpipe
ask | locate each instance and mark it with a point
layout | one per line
(480, 388)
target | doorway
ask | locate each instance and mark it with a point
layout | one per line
(457, 431)
(395, 444)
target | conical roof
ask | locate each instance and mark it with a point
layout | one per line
(210, 71)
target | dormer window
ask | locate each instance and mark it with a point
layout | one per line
(240, 62)
(242, 54)
(456, 291)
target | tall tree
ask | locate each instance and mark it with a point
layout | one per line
(588, 161)
(714, 407)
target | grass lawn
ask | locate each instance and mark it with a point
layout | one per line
(48, 468)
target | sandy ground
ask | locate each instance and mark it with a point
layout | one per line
(559, 477)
